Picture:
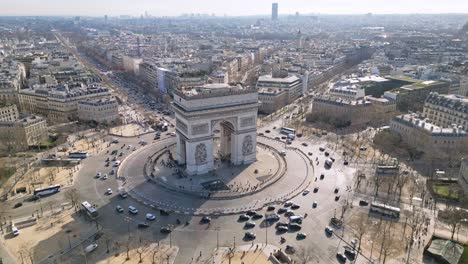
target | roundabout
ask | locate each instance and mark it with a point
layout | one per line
(150, 176)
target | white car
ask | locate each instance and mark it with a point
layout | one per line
(109, 191)
(98, 175)
(90, 248)
(288, 203)
(150, 216)
(104, 177)
(15, 230)
(132, 210)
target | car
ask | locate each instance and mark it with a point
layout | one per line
(294, 226)
(281, 223)
(250, 235)
(305, 144)
(112, 172)
(346, 162)
(206, 219)
(283, 137)
(98, 175)
(120, 154)
(249, 224)
(332, 159)
(327, 154)
(329, 230)
(288, 203)
(243, 217)
(150, 216)
(337, 198)
(337, 190)
(316, 189)
(363, 203)
(295, 206)
(143, 225)
(107, 164)
(119, 209)
(114, 158)
(282, 228)
(109, 191)
(165, 229)
(132, 209)
(310, 153)
(314, 204)
(322, 149)
(277, 138)
(250, 213)
(274, 127)
(272, 217)
(301, 235)
(104, 177)
(270, 208)
(257, 216)
(290, 249)
(322, 176)
(341, 257)
(15, 231)
(305, 192)
(281, 210)
(289, 213)
(90, 248)
(260, 134)
(363, 148)
(107, 159)
(350, 253)
(267, 131)
(299, 135)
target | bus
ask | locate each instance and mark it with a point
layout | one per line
(387, 170)
(78, 155)
(47, 190)
(287, 131)
(385, 210)
(90, 210)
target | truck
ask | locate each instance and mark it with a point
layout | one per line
(122, 192)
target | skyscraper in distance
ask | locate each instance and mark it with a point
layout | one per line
(274, 11)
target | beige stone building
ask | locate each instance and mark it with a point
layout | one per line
(101, 110)
(59, 103)
(434, 140)
(271, 100)
(463, 177)
(22, 133)
(11, 76)
(8, 113)
(447, 110)
(275, 92)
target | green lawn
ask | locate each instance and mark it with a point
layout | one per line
(464, 257)
(443, 190)
(5, 173)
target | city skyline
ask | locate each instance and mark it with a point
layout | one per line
(262, 7)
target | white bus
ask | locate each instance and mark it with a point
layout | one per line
(90, 210)
(385, 210)
(287, 131)
(47, 190)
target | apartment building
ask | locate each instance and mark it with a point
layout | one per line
(100, 110)
(22, 133)
(59, 103)
(11, 76)
(447, 110)
(434, 140)
(9, 113)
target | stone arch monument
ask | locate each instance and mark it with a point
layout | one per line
(197, 112)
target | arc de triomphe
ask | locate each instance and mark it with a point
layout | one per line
(197, 112)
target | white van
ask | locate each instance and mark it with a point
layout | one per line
(283, 153)
(117, 163)
(295, 218)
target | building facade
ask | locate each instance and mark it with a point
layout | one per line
(22, 133)
(101, 110)
(447, 110)
(9, 113)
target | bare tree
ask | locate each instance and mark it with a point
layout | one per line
(304, 255)
(128, 245)
(72, 196)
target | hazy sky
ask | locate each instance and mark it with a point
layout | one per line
(228, 7)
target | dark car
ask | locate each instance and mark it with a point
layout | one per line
(305, 144)
(250, 235)
(341, 257)
(332, 159)
(107, 164)
(267, 131)
(283, 137)
(316, 189)
(206, 219)
(270, 208)
(299, 135)
(289, 213)
(322, 176)
(244, 217)
(310, 153)
(257, 216)
(327, 154)
(281, 210)
(363, 203)
(322, 149)
(277, 138)
(345, 162)
(281, 224)
(337, 190)
(350, 253)
(249, 224)
(143, 225)
(250, 213)
(295, 206)
(295, 226)
(260, 134)
(337, 198)
(165, 229)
